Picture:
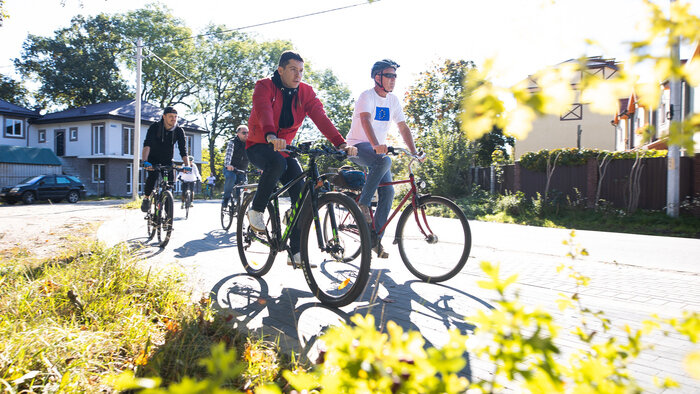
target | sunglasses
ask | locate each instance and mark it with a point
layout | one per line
(389, 75)
(243, 132)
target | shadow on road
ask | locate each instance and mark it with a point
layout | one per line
(213, 240)
(431, 309)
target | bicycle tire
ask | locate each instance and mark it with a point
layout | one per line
(188, 202)
(255, 250)
(165, 224)
(442, 254)
(227, 214)
(333, 281)
(151, 222)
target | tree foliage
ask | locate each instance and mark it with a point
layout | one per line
(78, 66)
(13, 91)
(168, 47)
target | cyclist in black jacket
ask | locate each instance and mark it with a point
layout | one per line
(158, 149)
(235, 163)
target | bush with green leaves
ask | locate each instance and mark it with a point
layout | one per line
(537, 161)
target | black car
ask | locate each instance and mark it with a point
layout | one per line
(44, 187)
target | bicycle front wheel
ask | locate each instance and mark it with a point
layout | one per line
(434, 239)
(151, 219)
(227, 213)
(165, 215)
(255, 249)
(348, 233)
(335, 280)
(188, 202)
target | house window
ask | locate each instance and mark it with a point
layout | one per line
(190, 144)
(98, 139)
(13, 128)
(98, 173)
(42, 135)
(73, 133)
(127, 140)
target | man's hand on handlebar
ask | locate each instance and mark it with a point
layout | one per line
(349, 149)
(278, 144)
(381, 149)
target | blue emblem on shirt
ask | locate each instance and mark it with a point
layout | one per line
(382, 114)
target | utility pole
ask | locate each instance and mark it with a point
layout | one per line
(674, 152)
(137, 125)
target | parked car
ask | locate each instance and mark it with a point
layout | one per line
(44, 187)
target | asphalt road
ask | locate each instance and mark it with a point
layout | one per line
(632, 277)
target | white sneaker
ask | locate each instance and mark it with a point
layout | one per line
(297, 261)
(257, 223)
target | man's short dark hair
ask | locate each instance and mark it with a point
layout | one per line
(169, 110)
(287, 56)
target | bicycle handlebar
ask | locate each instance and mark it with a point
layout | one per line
(323, 150)
(396, 151)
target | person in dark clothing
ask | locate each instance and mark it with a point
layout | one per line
(236, 163)
(158, 149)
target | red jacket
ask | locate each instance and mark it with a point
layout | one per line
(267, 107)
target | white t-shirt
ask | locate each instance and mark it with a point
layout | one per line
(191, 176)
(211, 179)
(383, 111)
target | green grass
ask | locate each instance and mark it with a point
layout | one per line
(69, 322)
(520, 210)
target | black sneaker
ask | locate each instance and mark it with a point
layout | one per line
(145, 204)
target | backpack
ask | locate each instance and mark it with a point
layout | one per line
(348, 178)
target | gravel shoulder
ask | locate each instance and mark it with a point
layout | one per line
(42, 230)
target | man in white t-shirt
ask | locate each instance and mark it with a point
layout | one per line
(375, 110)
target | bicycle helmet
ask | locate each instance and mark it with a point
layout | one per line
(379, 66)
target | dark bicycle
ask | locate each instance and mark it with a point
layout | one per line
(229, 211)
(432, 233)
(333, 281)
(159, 218)
(189, 197)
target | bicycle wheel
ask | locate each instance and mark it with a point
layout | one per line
(348, 234)
(434, 240)
(165, 214)
(227, 213)
(333, 280)
(151, 219)
(188, 202)
(255, 249)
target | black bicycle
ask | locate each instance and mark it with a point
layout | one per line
(229, 210)
(189, 197)
(332, 280)
(159, 218)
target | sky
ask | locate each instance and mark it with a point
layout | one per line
(523, 36)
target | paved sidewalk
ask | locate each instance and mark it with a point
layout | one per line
(632, 277)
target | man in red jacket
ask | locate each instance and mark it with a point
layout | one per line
(280, 105)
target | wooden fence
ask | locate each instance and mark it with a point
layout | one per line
(582, 182)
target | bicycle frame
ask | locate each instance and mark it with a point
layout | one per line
(313, 181)
(413, 194)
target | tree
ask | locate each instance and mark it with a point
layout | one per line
(491, 142)
(227, 66)
(168, 47)
(78, 66)
(13, 91)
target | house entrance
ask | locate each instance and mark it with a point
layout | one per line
(60, 142)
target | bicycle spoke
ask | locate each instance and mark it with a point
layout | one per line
(434, 240)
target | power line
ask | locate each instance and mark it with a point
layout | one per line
(268, 23)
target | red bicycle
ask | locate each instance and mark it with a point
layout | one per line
(432, 233)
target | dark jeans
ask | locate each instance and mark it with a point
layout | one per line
(276, 168)
(185, 187)
(233, 178)
(151, 180)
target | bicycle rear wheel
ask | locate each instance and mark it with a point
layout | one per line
(227, 213)
(165, 214)
(335, 280)
(255, 249)
(434, 240)
(151, 219)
